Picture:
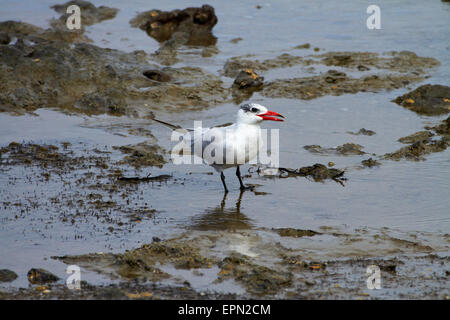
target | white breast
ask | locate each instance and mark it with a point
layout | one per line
(227, 146)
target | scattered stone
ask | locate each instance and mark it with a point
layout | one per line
(404, 61)
(4, 38)
(295, 233)
(259, 280)
(345, 149)
(391, 268)
(57, 32)
(334, 83)
(416, 150)
(370, 163)
(197, 23)
(431, 100)
(248, 78)
(363, 131)
(157, 75)
(142, 132)
(7, 275)
(334, 76)
(303, 46)
(27, 154)
(236, 64)
(141, 262)
(315, 148)
(415, 137)
(40, 276)
(408, 68)
(363, 68)
(236, 40)
(318, 172)
(350, 149)
(41, 75)
(209, 51)
(442, 129)
(90, 14)
(143, 154)
(105, 101)
(160, 178)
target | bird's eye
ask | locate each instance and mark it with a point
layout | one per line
(254, 110)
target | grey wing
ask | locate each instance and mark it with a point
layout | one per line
(212, 141)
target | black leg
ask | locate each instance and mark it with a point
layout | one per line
(238, 174)
(222, 204)
(222, 176)
(238, 202)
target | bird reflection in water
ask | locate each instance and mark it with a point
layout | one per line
(222, 218)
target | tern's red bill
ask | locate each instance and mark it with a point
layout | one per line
(268, 114)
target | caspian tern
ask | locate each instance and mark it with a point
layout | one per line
(224, 147)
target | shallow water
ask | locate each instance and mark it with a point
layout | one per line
(401, 195)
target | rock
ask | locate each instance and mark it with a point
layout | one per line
(363, 131)
(307, 88)
(345, 149)
(257, 279)
(236, 40)
(57, 32)
(90, 14)
(246, 83)
(60, 32)
(315, 148)
(18, 29)
(45, 74)
(370, 163)
(30, 153)
(144, 262)
(236, 64)
(415, 137)
(296, 233)
(363, 68)
(142, 154)
(303, 46)
(334, 76)
(196, 22)
(40, 276)
(431, 100)
(7, 275)
(209, 51)
(417, 150)
(350, 149)
(404, 61)
(107, 101)
(442, 129)
(407, 68)
(248, 78)
(4, 38)
(157, 75)
(318, 172)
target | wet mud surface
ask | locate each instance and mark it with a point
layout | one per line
(296, 270)
(131, 220)
(234, 253)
